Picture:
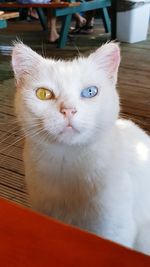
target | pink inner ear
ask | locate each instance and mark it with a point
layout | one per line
(110, 58)
(16, 63)
(115, 60)
(21, 58)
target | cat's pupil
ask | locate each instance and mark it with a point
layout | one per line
(43, 94)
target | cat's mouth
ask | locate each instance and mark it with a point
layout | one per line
(69, 128)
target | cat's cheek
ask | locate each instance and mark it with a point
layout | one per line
(37, 107)
(53, 124)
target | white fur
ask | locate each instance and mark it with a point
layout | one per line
(96, 177)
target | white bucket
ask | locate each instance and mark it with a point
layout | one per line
(132, 25)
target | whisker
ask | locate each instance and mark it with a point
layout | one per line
(5, 121)
(4, 149)
(3, 140)
(16, 141)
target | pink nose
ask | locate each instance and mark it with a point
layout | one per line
(68, 112)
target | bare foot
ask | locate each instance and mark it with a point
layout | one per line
(82, 21)
(53, 37)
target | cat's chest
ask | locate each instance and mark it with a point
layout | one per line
(65, 177)
(66, 166)
(68, 171)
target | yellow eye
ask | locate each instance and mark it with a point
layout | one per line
(44, 94)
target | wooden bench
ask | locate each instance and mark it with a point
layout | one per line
(5, 16)
(65, 10)
(39, 8)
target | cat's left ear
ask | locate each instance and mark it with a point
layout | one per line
(24, 61)
(107, 57)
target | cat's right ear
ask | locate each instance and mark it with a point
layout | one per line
(24, 61)
(107, 57)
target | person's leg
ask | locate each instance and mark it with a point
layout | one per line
(53, 34)
(32, 13)
(52, 25)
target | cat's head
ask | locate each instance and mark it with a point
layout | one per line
(70, 102)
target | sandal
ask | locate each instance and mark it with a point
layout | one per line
(76, 30)
(82, 30)
(87, 29)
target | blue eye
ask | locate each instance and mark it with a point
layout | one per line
(89, 92)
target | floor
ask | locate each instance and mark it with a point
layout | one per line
(133, 86)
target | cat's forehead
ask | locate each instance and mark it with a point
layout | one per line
(67, 76)
(79, 70)
(70, 67)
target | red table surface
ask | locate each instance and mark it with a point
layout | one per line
(30, 239)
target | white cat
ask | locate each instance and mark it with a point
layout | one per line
(83, 165)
